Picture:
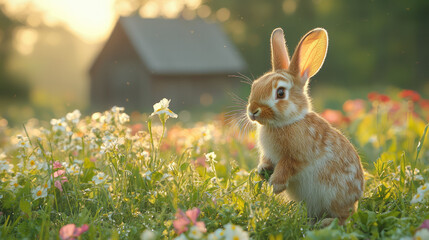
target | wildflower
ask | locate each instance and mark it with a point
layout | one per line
(32, 163)
(219, 233)
(96, 116)
(23, 142)
(235, 232)
(147, 235)
(147, 175)
(422, 234)
(181, 237)
(425, 224)
(181, 223)
(424, 104)
(14, 185)
(123, 118)
(116, 109)
(423, 188)
(70, 231)
(58, 185)
(99, 178)
(195, 233)
(59, 173)
(210, 157)
(57, 165)
(47, 185)
(377, 97)
(73, 116)
(161, 109)
(74, 169)
(190, 218)
(417, 198)
(5, 166)
(334, 117)
(59, 125)
(39, 192)
(409, 94)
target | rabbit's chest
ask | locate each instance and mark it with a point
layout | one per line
(272, 147)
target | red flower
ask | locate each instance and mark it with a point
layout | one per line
(409, 94)
(377, 97)
(424, 104)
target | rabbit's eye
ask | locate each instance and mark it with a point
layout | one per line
(281, 93)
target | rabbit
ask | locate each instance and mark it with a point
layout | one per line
(310, 160)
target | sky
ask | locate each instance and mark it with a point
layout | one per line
(91, 20)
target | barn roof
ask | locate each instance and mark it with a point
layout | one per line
(178, 46)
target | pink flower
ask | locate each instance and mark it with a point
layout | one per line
(183, 221)
(193, 214)
(201, 161)
(64, 179)
(57, 184)
(93, 159)
(334, 117)
(425, 224)
(59, 173)
(57, 165)
(70, 231)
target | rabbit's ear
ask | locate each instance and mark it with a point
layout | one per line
(279, 54)
(310, 54)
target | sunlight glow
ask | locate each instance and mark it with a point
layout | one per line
(92, 20)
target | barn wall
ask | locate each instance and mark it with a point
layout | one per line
(118, 76)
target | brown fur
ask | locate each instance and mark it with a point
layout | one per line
(312, 161)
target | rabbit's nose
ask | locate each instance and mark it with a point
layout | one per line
(255, 114)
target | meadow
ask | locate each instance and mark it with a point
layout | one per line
(112, 176)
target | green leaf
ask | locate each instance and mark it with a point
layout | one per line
(25, 207)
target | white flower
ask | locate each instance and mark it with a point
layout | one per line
(5, 166)
(422, 234)
(123, 118)
(195, 233)
(210, 157)
(116, 109)
(423, 188)
(73, 116)
(14, 185)
(235, 232)
(417, 198)
(59, 125)
(39, 192)
(74, 169)
(47, 185)
(99, 178)
(147, 175)
(219, 233)
(212, 236)
(162, 108)
(96, 116)
(147, 235)
(181, 237)
(32, 163)
(23, 142)
(42, 166)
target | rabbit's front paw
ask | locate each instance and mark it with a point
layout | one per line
(278, 186)
(265, 172)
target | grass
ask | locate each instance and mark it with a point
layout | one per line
(121, 178)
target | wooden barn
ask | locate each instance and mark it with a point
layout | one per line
(145, 60)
